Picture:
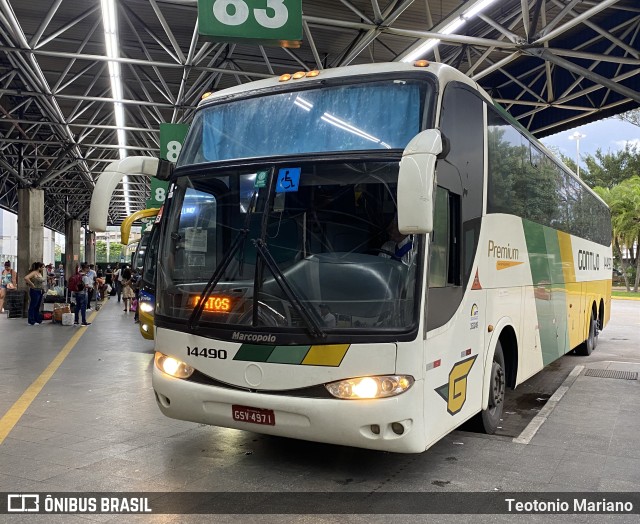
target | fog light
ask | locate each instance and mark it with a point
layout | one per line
(375, 429)
(397, 428)
(172, 366)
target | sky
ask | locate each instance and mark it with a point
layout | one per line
(609, 134)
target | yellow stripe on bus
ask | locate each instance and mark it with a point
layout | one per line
(566, 254)
(329, 355)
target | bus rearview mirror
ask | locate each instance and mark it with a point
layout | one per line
(165, 169)
(416, 182)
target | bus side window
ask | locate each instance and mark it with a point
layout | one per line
(439, 247)
(444, 254)
(460, 177)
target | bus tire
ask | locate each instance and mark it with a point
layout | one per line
(489, 419)
(587, 347)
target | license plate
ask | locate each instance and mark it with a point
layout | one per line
(265, 417)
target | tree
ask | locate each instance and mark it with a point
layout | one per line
(611, 168)
(624, 201)
(115, 248)
(632, 117)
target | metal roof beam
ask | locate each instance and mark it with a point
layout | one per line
(389, 16)
(67, 26)
(546, 54)
(122, 60)
(168, 32)
(45, 23)
(574, 22)
(604, 33)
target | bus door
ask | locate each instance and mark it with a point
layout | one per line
(454, 349)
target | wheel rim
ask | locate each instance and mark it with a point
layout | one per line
(497, 386)
(592, 335)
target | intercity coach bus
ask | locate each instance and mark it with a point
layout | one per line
(369, 256)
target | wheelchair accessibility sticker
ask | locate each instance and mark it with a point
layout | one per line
(288, 179)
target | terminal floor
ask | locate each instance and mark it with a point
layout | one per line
(95, 426)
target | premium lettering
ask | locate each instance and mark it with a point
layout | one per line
(503, 252)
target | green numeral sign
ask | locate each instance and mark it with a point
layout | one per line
(171, 138)
(259, 20)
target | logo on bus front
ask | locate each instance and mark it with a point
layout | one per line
(455, 391)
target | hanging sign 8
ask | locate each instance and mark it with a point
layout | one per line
(266, 21)
(171, 139)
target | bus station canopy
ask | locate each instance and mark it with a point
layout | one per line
(553, 64)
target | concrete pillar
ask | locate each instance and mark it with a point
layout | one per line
(71, 247)
(90, 247)
(30, 230)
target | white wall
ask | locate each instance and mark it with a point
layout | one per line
(9, 240)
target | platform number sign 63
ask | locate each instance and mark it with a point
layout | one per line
(236, 12)
(265, 20)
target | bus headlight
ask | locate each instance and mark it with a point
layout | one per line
(146, 307)
(173, 367)
(370, 387)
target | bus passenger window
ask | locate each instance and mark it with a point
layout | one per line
(439, 246)
(444, 256)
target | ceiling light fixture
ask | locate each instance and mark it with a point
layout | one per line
(448, 29)
(110, 24)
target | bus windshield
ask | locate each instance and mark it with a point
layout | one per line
(138, 257)
(150, 259)
(293, 245)
(378, 115)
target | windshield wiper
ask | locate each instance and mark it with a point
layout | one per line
(294, 299)
(222, 266)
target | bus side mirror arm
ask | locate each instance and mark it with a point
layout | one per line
(165, 169)
(416, 181)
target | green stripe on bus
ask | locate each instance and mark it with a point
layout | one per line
(549, 289)
(288, 354)
(254, 353)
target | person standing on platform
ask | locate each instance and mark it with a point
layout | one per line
(61, 275)
(36, 282)
(8, 283)
(51, 276)
(78, 284)
(91, 275)
(117, 280)
(127, 291)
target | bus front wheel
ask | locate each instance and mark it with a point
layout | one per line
(489, 419)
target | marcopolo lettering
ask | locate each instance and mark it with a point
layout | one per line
(588, 261)
(253, 337)
(503, 252)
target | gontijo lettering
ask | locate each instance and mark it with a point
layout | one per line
(588, 261)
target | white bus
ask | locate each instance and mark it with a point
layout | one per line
(369, 256)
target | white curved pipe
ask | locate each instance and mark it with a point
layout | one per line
(108, 181)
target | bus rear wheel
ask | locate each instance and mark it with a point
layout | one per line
(489, 419)
(587, 347)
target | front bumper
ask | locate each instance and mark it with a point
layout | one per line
(334, 421)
